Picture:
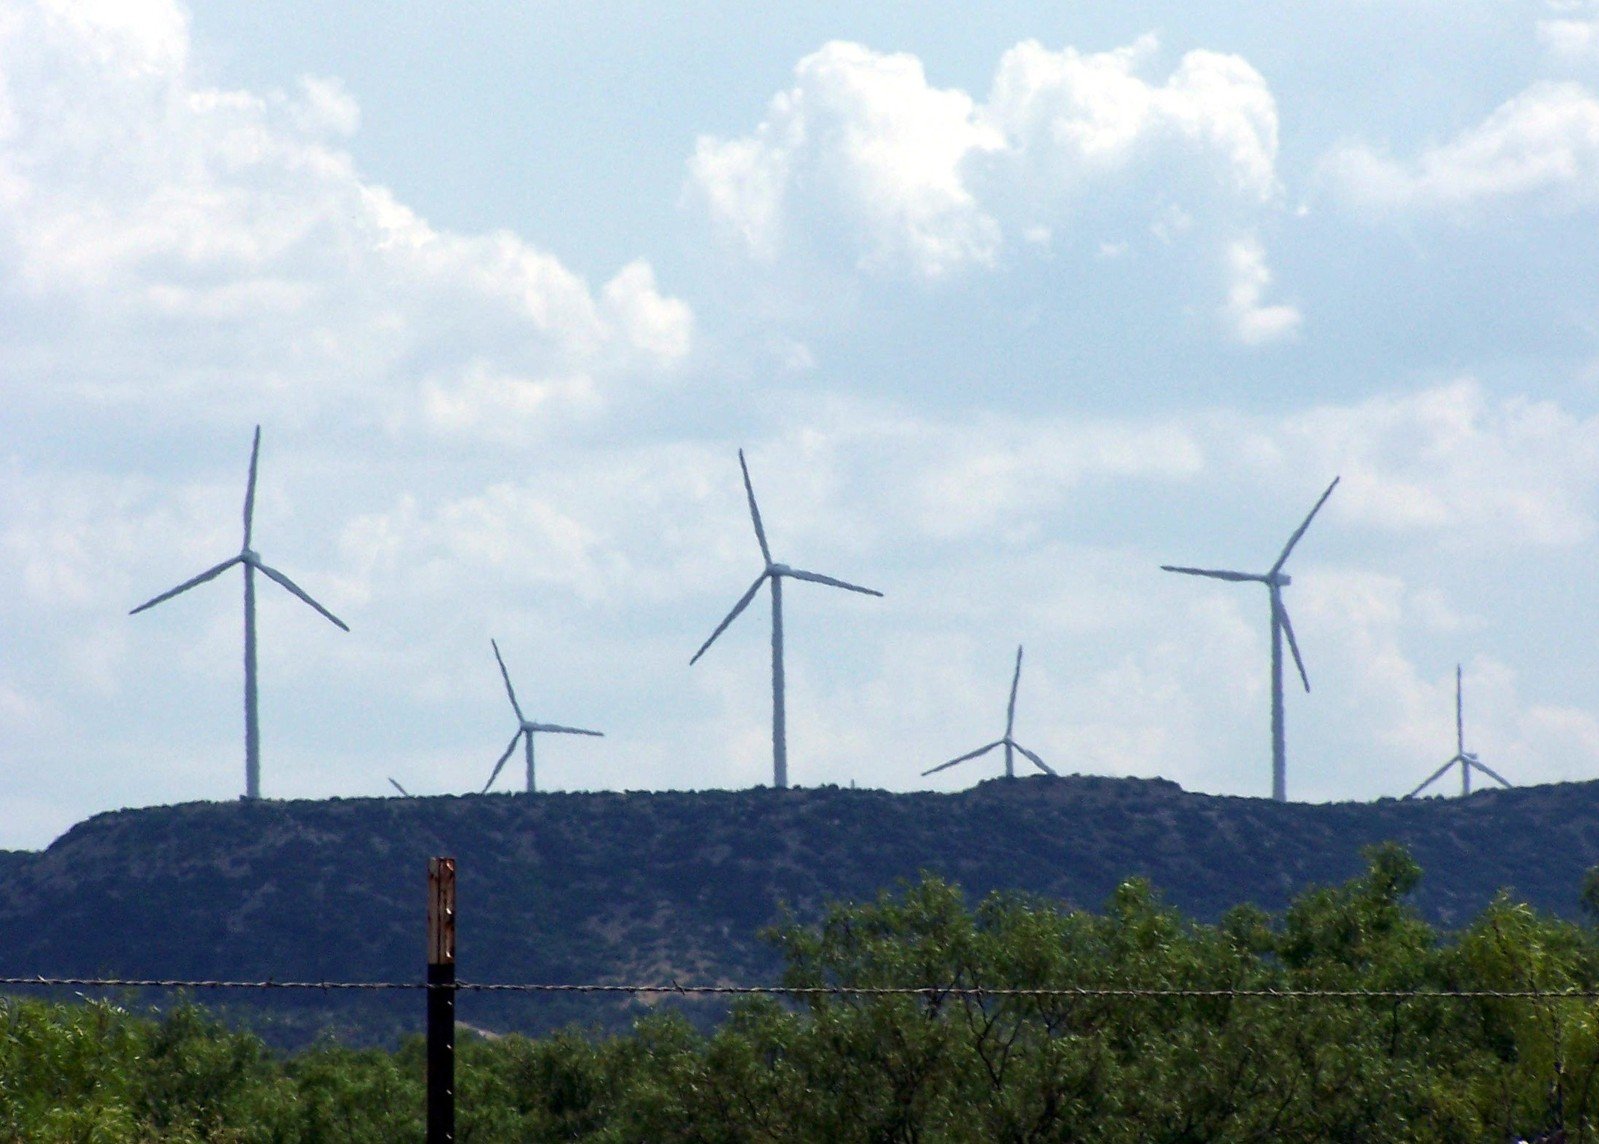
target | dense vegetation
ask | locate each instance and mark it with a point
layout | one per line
(940, 1067)
(652, 886)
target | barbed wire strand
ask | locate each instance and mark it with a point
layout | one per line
(929, 991)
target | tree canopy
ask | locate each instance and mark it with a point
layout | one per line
(1104, 1051)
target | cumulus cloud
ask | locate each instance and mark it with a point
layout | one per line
(1252, 320)
(229, 235)
(866, 133)
(865, 161)
(1066, 116)
(1543, 144)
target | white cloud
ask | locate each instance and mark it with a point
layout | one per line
(1066, 116)
(1451, 458)
(863, 161)
(129, 35)
(865, 132)
(227, 235)
(1570, 41)
(1251, 321)
(1543, 144)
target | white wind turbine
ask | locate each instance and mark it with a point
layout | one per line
(527, 729)
(1466, 759)
(1009, 743)
(251, 560)
(1275, 580)
(775, 573)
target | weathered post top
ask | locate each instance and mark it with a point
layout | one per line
(441, 911)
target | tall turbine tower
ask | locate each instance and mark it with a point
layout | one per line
(527, 729)
(252, 563)
(1275, 580)
(775, 573)
(1009, 743)
(1465, 758)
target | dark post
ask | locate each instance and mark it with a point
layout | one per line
(441, 1001)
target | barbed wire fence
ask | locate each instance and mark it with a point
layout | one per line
(441, 987)
(973, 992)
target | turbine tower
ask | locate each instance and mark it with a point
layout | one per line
(251, 560)
(1009, 743)
(1275, 580)
(527, 729)
(1465, 758)
(775, 573)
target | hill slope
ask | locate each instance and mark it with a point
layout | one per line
(661, 886)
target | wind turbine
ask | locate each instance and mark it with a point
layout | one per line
(1275, 580)
(528, 728)
(1009, 743)
(1465, 758)
(775, 573)
(251, 560)
(401, 789)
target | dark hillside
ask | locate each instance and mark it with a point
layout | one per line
(659, 886)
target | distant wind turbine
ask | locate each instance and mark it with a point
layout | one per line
(775, 573)
(400, 788)
(527, 729)
(1465, 758)
(1275, 580)
(251, 560)
(1009, 743)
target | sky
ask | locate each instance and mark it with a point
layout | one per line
(1004, 316)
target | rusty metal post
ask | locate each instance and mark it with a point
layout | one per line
(441, 1001)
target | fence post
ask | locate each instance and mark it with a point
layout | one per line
(441, 1001)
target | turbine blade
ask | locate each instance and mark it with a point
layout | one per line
(1213, 573)
(1490, 772)
(300, 592)
(506, 675)
(249, 489)
(1015, 680)
(560, 730)
(399, 788)
(1288, 630)
(1300, 531)
(208, 574)
(818, 578)
(1434, 777)
(755, 513)
(1042, 765)
(743, 602)
(1460, 723)
(963, 758)
(495, 773)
